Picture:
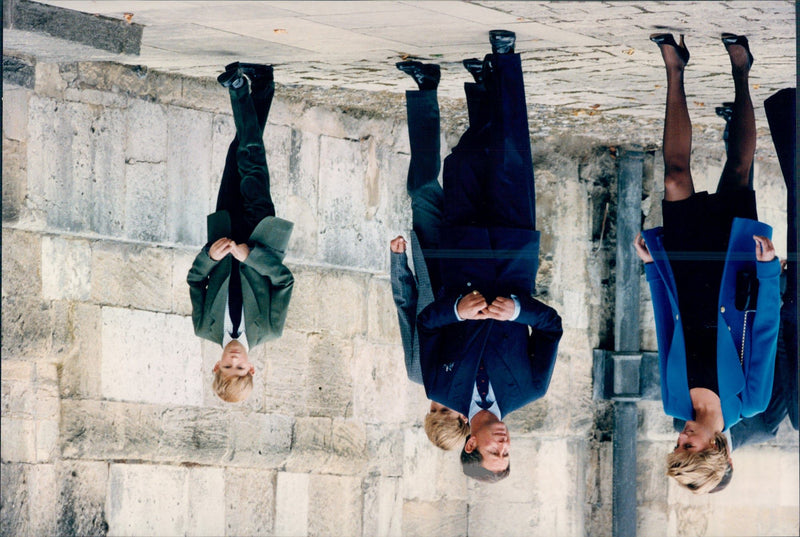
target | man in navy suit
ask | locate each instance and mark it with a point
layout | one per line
(486, 346)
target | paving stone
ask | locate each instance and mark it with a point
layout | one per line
(188, 168)
(335, 505)
(445, 518)
(291, 504)
(206, 502)
(146, 499)
(65, 269)
(131, 275)
(137, 367)
(249, 490)
(82, 498)
(145, 201)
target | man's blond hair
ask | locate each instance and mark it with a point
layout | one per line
(445, 431)
(232, 389)
(700, 472)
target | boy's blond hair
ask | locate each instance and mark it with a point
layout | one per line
(233, 388)
(700, 472)
(445, 431)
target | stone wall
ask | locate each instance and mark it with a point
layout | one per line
(109, 423)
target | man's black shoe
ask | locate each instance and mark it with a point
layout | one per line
(502, 41)
(475, 67)
(426, 75)
(233, 78)
(725, 111)
(255, 71)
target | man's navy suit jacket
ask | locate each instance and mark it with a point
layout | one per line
(519, 355)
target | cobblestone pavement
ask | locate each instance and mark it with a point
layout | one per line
(592, 57)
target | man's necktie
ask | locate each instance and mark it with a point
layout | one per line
(235, 297)
(482, 382)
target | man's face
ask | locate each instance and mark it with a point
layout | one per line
(234, 361)
(492, 441)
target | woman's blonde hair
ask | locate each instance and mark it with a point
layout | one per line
(445, 431)
(232, 389)
(701, 472)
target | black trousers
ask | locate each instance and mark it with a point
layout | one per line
(244, 190)
(488, 177)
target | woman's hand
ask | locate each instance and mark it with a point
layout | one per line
(641, 249)
(765, 250)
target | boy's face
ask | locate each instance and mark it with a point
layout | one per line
(234, 361)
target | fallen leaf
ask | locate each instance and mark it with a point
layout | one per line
(404, 56)
(698, 103)
(280, 31)
(657, 86)
(629, 51)
(595, 106)
(128, 17)
(756, 86)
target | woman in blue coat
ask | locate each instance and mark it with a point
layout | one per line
(714, 281)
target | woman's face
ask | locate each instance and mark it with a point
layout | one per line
(693, 438)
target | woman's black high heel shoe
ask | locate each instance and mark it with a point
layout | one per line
(667, 39)
(733, 39)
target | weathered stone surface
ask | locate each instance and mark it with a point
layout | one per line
(260, 440)
(194, 434)
(445, 518)
(382, 323)
(15, 179)
(206, 502)
(81, 366)
(138, 367)
(14, 498)
(146, 499)
(110, 430)
(146, 201)
(19, 444)
(15, 113)
(252, 491)
(98, 98)
(34, 329)
(18, 71)
(385, 450)
(18, 390)
(286, 371)
(335, 505)
(66, 266)
(188, 168)
(147, 132)
(131, 275)
(430, 473)
(379, 378)
(291, 504)
(383, 506)
(82, 498)
(22, 261)
(181, 263)
(49, 82)
(329, 387)
(334, 301)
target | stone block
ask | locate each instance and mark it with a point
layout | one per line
(49, 81)
(18, 71)
(14, 498)
(278, 146)
(146, 499)
(188, 174)
(223, 132)
(96, 98)
(291, 504)
(181, 263)
(135, 80)
(329, 388)
(15, 113)
(194, 434)
(379, 378)
(443, 518)
(109, 430)
(43, 499)
(15, 179)
(204, 94)
(429, 473)
(286, 371)
(206, 502)
(138, 367)
(340, 303)
(382, 326)
(312, 434)
(131, 275)
(335, 505)
(147, 132)
(66, 266)
(22, 261)
(305, 237)
(107, 187)
(82, 498)
(18, 390)
(260, 440)
(385, 450)
(19, 440)
(80, 368)
(383, 506)
(46, 440)
(249, 501)
(146, 201)
(34, 329)
(348, 190)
